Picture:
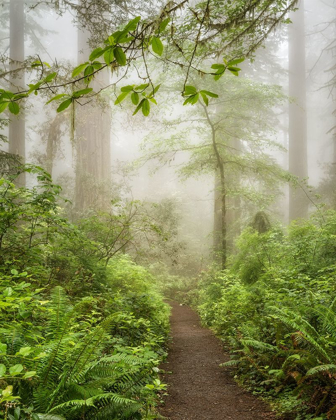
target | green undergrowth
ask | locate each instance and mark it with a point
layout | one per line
(177, 288)
(275, 306)
(80, 337)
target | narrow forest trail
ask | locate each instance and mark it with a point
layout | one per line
(198, 387)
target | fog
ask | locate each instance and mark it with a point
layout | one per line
(277, 115)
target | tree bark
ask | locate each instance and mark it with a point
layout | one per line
(17, 80)
(220, 210)
(298, 202)
(93, 152)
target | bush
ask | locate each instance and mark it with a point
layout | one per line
(78, 336)
(275, 306)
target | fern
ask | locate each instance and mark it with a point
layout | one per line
(230, 363)
(304, 332)
(324, 369)
(259, 345)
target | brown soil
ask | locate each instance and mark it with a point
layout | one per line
(198, 387)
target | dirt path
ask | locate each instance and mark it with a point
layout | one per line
(198, 387)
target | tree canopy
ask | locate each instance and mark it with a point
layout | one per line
(182, 35)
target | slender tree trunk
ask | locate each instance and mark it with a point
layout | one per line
(17, 80)
(217, 245)
(220, 208)
(233, 204)
(53, 139)
(223, 202)
(298, 202)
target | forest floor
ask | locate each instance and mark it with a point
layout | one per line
(198, 387)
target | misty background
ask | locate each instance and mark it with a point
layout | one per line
(280, 109)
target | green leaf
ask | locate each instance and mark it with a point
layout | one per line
(20, 96)
(88, 71)
(25, 351)
(79, 69)
(36, 63)
(142, 87)
(6, 94)
(231, 68)
(132, 24)
(156, 89)
(127, 88)
(81, 92)
(116, 36)
(17, 413)
(14, 108)
(237, 61)
(14, 272)
(137, 109)
(120, 56)
(192, 99)
(97, 65)
(55, 98)
(34, 87)
(15, 370)
(218, 67)
(8, 391)
(50, 77)
(145, 107)
(164, 24)
(234, 72)
(205, 98)
(157, 45)
(208, 93)
(125, 39)
(135, 98)
(96, 53)
(64, 105)
(8, 292)
(3, 370)
(29, 374)
(153, 100)
(121, 97)
(189, 90)
(109, 56)
(3, 106)
(111, 39)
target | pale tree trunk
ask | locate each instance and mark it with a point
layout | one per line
(53, 141)
(17, 80)
(298, 202)
(233, 212)
(220, 206)
(220, 214)
(93, 152)
(217, 228)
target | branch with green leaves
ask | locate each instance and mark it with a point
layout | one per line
(158, 36)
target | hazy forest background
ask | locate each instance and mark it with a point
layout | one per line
(223, 198)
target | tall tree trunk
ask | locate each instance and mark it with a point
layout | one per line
(217, 228)
(17, 80)
(93, 153)
(53, 140)
(298, 202)
(223, 209)
(220, 207)
(233, 212)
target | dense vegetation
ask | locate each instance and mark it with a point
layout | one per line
(81, 335)
(275, 308)
(83, 327)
